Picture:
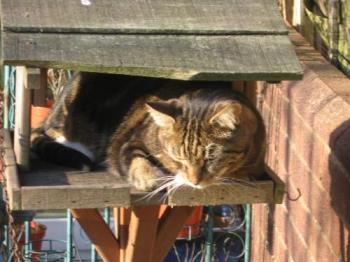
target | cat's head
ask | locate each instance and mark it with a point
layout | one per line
(210, 135)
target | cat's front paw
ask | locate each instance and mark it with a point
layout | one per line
(142, 183)
(142, 175)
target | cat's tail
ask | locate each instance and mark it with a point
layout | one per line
(49, 150)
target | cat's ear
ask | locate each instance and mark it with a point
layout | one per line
(227, 114)
(163, 113)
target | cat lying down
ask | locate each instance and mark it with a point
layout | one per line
(155, 132)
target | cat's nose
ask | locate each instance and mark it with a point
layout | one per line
(194, 174)
(194, 180)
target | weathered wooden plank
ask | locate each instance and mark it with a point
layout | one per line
(50, 186)
(139, 16)
(258, 192)
(223, 58)
(40, 92)
(22, 118)
(140, 198)
(279, 187)
(13, 186)
(59, 197)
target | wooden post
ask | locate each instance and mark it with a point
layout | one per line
(238, 86)
(99, 233)
(169, 226)
(22, 119)
(142, 234)
(122, 218)
(39, 96)
(250, 91)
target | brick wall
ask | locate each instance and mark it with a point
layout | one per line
(308, 124)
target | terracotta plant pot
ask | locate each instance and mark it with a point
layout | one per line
(191, 228)
(39, 113)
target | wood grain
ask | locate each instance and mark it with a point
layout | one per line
(258, 192)
(99, 233)
(11, 174)
(224, 58)
(22, 118)
(279, 186)
(122, 218)
(140, 17)
(40, 93)
(143, 222)
(49, 186)
(169, 227)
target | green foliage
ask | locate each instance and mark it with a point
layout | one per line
(321, 24)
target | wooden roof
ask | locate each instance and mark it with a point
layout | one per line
(198, 39)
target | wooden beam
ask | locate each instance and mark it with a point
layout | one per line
(13, 185)
(170, 225)
(142, 234)
(56, 187)
(279, 188)
(48, 186)
(257, 192)
(238, 86)
(122, 218)
(187, 57)
(250, 91)
(99, 233)
(22, 119)
(143, 17)
(39, 94)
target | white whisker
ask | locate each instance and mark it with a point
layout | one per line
(159, 189)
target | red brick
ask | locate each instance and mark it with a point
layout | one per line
(309, 133)
(332, 119)
(309, 96)
(315, 198)
(325, 172)
(340, 143)
(316, 244)
(281, 252)
(258, 229)
(315, 155)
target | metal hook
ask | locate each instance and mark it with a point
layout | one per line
(295, 198)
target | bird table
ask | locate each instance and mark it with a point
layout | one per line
(223, 40)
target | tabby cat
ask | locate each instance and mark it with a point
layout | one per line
(154, 131)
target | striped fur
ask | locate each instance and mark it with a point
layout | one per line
(160, 132)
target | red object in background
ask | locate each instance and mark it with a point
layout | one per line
(37, 234)
(39, 113)
(191, 228)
